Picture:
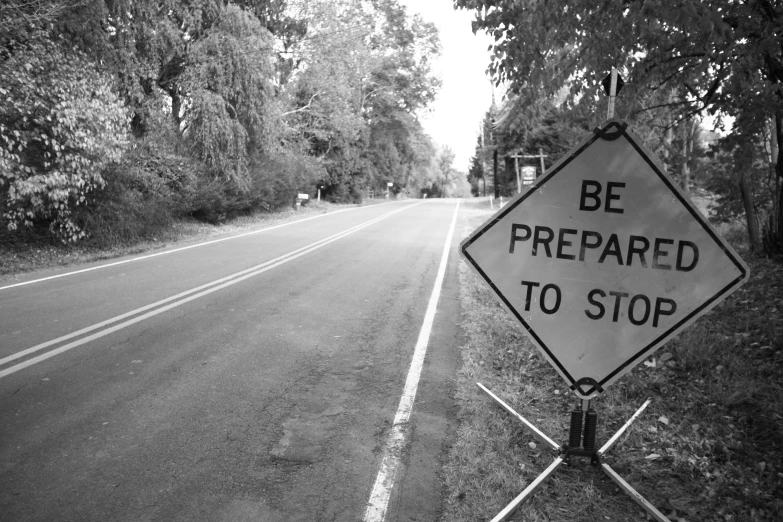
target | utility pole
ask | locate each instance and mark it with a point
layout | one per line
(494, 145)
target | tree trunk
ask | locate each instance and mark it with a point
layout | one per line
(176, 107)
(779, 178)
(139, 119)
(668, 136)
(746, 191)
(495, 173)
(685, 169)
(667, 142)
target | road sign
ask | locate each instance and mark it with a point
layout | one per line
(607, 82)
(528, 174)
(603, 259)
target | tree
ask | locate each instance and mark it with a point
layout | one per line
(60, 124)
(322, 99)
(17, 16)
(363, 73)
(227, 83)
(724, 57)
(261, 97)
(445, 162)
(744, 180)
(476, 170)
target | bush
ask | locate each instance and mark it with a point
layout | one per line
(276, 179)
(125, 211)
(60, 123)
(215, 200)
(143, 193)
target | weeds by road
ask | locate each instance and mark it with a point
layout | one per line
(708, 448)
(30, 250)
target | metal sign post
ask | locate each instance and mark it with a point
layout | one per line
(612, 85)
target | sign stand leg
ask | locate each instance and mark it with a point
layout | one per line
(648, 508)
(581, 443)
(509, 509)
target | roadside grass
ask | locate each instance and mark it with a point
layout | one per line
(708, 448)
(29, 250)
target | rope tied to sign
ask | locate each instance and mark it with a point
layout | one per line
(611, 136)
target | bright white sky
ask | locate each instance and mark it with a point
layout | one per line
(466, 93)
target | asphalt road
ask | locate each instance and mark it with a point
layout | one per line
(254, 378)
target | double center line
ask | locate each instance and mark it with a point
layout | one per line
(103, 328)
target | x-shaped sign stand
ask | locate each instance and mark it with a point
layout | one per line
(577, 446)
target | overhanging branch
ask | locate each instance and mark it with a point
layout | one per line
(303, 108)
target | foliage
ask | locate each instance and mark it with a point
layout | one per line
(277, 178)
(258, 99)
(476, 171)
(323, 116)
(679, 60)
(18, 16)
(227, 79)
(401, 83)
(60, 124)
(125, 212)
(744, 182)
(694, 45)
(733, 159)
(447, 174)
(364, 72)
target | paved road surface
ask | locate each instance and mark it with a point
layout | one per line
(255, 378)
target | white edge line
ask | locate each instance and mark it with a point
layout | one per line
(221, 283)
(176, 249)
(384, 481)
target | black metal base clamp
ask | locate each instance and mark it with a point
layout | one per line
(581, 443)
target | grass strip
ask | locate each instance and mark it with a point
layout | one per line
(29, 251)
(708, 448)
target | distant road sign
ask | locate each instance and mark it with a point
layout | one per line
(603, 259)
(528, 174)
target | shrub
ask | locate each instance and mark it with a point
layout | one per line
(125, 211)
(215, 200)
(60, 124)
(275, 179)
(143, 192)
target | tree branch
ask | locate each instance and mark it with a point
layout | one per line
(303, 108)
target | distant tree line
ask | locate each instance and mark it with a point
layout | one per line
(681, 61)
(117, 116)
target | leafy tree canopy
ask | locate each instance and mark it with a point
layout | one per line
(60, 124)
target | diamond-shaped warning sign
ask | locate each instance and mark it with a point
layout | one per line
(603, 259)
